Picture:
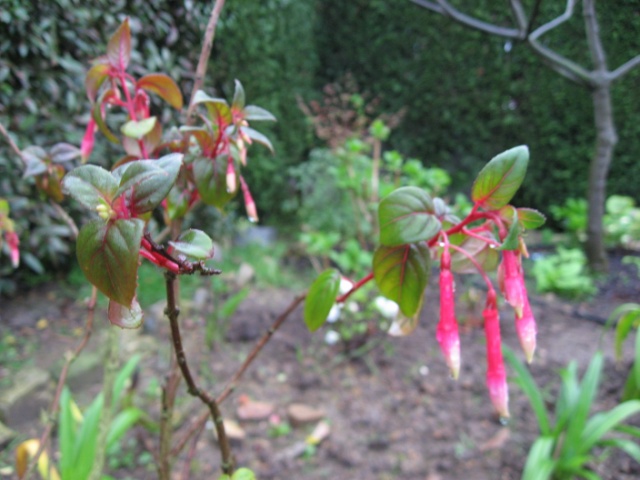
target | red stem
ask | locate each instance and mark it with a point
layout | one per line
(355, 288)
(483, 274)
(131, 109)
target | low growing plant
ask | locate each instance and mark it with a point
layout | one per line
(627, 320)
(564, 273)
(569, 436)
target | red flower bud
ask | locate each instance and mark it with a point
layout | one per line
(249, 204)
(86, 147)
(526, 328)
(13, 243)
(496, 373)
(512, 280)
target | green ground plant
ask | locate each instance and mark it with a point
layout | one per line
(564, 273)
(570, 436)
(627, 320)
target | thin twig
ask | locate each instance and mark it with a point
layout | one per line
(231, 385)
(65, 218)
(11, 143)
(169, 391)
(192, 453)
(172, 313)
(44, 438)
(204, 55)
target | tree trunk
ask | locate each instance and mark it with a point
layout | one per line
(606, 139)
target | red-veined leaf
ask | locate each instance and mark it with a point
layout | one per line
(217, 107)
(402, 273)
(530, 218)
(407, 216)
(146, 182)
(125, 317)
(486, 256)
(194, 244)
(90, 185)
(210, 177)
(500, 179)
(119, 47)
(163, 86)
(108, 255)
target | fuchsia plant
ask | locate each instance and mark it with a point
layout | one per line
(8, 235)
(202, 163)
(416, 229)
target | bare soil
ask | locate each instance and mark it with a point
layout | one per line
(394, 413)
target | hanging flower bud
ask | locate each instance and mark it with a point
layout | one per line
(496, 373)
(511, 280)
(13, 242)
(249, 204)
(86, 147)
(447, 330)
(231, 176)
(526, 328)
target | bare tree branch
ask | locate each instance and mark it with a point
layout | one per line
(519, 14)
(444, 8)
(624, 68)
(565, 67)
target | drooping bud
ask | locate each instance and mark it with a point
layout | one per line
(86, 147)
(496, 373)
(249, 204)
(231, 176)
(526, 328)
(512, 280)
(447, 330)
(13, 242)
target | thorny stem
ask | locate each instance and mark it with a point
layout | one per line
(44, 438)
(172, 313)
(231, 385)
(205, 53)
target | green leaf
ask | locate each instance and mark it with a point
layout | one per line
(138, 129)
(321, 297)
(629, 314)
(63, 152)
(243, 474)
(257, 137)
(123, 376)
(407, 216)
(217, 107)
(238, 97)
(540, 463)
(499, 180)
(145, 183)
(253, 112)
(402, 274)
(163, 86)
(602, 423)
(119, 47)
(212, 184)
(108, 255)
(85, 446)
(66, 433)
(35, 158)
(95, 78)
(530, 389)
(630, 447)
(232, 303)
(194, 244)
(511, 241)
(122, 423)
(90, 185)
(530, 218)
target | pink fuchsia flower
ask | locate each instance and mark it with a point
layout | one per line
(496, 373)
(447, 330)
(511, 280)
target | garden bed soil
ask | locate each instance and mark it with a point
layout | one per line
(394, 413)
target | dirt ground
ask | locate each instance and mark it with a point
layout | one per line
(394, 413)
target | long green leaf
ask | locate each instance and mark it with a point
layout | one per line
(578, 419)
(530, 389)
(604, 422)
(121, 423)
(540, 463)
(123, 375)
(66, 434)
(568, 396)
(85, 447)
(630, 447)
